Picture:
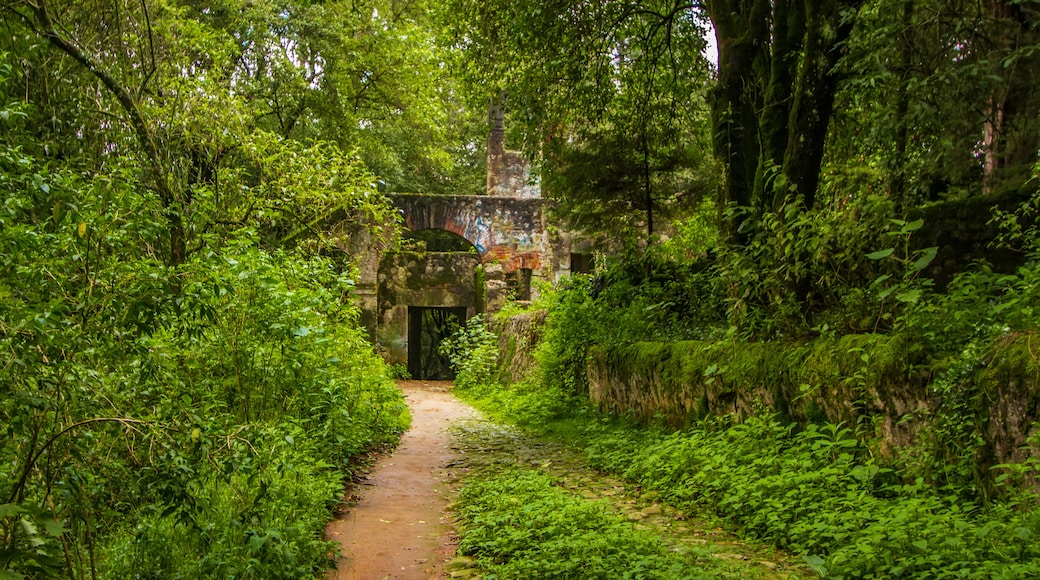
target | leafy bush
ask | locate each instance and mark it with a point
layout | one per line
(189, 421)
(818, 492)
(473, 352)
(261, 518)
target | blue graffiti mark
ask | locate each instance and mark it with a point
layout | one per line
(524, 241)
(479, 233)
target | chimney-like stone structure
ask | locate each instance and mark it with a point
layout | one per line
(508, 173)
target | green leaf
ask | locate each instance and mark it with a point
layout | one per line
(879, 280)
(256, 542)
(912, 296)
(881, 254)
(53, 528)
(10, 509)
(927, 255)
(28, 527)
(816, 563)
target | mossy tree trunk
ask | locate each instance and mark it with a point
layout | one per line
(774, 99)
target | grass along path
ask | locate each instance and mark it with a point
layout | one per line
(530, 507)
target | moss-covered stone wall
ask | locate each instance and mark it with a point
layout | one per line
(841, 379)
(518, 337)
(879, 382)
(856, 379)
(1009, 389)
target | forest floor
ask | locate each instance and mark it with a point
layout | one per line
(398, 523)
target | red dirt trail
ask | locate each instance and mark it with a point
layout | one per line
(399, 529)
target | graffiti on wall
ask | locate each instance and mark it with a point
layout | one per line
(508, 230)
(478, 231)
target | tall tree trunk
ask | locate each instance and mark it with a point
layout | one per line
(788, 37)
(648, 192)
(1010, 133)
(827, 29)
(774, 95)
(773, 102)
(741, 32)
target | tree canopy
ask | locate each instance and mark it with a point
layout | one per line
(930, 98)
(608, 96)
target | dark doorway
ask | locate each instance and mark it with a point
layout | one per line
(519, 283)
(581, 264)
(427, 327)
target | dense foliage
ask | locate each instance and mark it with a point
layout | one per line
(830, 492)
(822, 491)
(184, 383)
(819, 493)
(810, 104)
(196, 433)
(521, 524)
(609, 97)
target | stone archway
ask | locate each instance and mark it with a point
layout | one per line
(508, 230)
(511, 249)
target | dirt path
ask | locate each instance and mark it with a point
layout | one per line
(399, 529)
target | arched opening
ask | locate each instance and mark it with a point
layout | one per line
(433, 240)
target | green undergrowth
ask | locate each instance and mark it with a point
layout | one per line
(521, 524)
(816, 492)
(473, 351)
(820, 491)
(198, 434)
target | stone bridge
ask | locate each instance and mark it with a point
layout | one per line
(506, 230)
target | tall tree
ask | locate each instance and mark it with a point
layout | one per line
(203, 95)
(124, 75)
(774, 97)
(939, 101)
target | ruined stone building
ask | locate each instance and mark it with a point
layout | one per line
(463, 255)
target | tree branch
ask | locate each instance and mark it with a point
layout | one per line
(45, 27)
(16, 493)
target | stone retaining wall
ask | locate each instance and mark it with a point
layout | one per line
(857, 379)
